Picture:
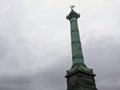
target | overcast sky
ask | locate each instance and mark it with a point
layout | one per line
(35, 45)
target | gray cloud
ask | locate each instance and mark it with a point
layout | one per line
(51, 78)
(35, 47)
(103, 55)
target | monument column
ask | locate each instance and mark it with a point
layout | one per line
(79, 77)
(77, 55)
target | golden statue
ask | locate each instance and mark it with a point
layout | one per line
(72, 6)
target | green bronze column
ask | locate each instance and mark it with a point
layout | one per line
(77, 55)
(79, 76)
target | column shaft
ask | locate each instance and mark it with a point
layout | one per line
(77, 54)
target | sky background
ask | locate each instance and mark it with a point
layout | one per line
(35, 45)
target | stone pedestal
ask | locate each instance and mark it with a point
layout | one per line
(80, 81)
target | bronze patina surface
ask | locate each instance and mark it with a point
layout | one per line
(79, 77)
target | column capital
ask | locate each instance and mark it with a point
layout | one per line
(73, 14)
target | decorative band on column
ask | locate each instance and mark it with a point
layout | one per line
(75, 30)
(77, 56)
(76, 42)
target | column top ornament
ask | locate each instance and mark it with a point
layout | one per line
(72, 13)
(72, 6)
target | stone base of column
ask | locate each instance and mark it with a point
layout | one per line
(80, 81)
